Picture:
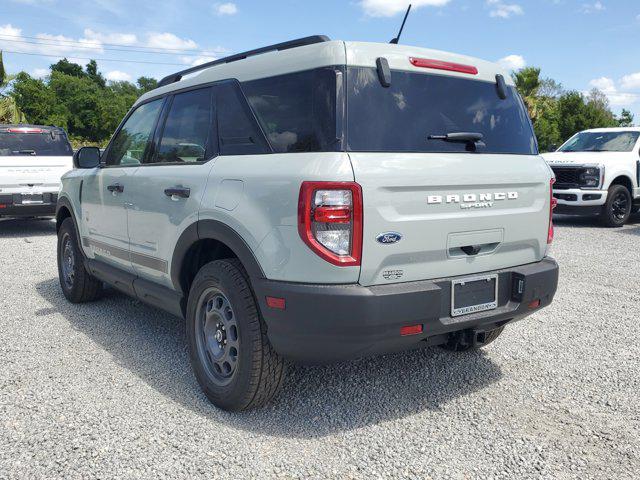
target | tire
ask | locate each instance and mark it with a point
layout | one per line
(78, 285)
(460, 343)
(230, 353)
(617, 210)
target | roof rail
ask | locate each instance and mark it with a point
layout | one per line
(176, 77)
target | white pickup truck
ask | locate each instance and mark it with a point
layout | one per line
(597, 173)
(32, 160)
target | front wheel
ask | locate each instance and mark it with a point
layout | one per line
(78, 285)
(230, 353)
(617, 210)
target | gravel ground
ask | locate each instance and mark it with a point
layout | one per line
(105, 390)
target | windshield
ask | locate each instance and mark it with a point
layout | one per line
(601, 142)
(401, 118)
(43, 143)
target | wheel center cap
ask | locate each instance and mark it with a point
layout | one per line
(218, 336)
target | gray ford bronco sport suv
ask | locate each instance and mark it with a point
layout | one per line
(316, 201)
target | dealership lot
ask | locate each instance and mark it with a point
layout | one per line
(105, 389)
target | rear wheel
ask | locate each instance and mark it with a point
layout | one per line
(617, 210)
(230, 353)
(463, 341)
(78, 285)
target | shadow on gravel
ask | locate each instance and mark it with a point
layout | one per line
(18, 227)
(315, 401)
(591, 221)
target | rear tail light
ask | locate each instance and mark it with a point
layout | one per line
(440, 65)
(330, 220)
(553, 203)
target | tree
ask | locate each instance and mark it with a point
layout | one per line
(68, 68)
(625, 119)
(81, 101)
(146, 84)
(93, 74)
(9, 111)
(557, 115)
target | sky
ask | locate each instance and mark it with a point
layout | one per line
(580, 43)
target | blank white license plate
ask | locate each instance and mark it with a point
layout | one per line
(473, 295)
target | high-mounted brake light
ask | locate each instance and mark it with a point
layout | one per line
(441, 65)
(330, 220)
(553, 203)
(24, 130)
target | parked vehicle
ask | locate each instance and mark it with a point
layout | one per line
(317, 200)
(597, 174)
(33, 158)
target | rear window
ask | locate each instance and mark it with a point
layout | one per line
(41, 143)
(402, 117)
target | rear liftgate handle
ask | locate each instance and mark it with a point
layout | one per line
(471, 250)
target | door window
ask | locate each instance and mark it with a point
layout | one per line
(187, 128)
(132, 141)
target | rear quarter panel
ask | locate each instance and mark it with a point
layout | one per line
(257, 196)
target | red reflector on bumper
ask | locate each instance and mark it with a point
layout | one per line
(411, 330)
(277, 303)
(535, 304)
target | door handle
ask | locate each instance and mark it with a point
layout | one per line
(116, 188)
(180, 192)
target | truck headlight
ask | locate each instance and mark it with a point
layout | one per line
(590, 177)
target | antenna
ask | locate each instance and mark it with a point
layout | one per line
(397, 39)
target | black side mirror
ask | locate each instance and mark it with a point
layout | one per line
(87, 157)
(553, 147)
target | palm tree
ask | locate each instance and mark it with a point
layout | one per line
(9, 111)
(528, 83)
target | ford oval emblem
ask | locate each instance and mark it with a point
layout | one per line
(389, 238)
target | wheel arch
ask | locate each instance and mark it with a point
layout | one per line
(64, 210)
(624, 180)
(205, 241)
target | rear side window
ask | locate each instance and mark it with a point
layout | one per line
(130, 144)
(297, 111)
(416, 105)
(238, 131)
(187, 128)
(32, 141)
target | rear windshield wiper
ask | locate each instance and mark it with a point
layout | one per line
(459, 137)
(24, 152)
(473, 140)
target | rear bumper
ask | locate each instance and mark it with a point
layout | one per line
(11, 205)
(325, 323)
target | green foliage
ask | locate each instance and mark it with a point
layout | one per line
(556, 114)
(625, 119)
(9, 111)
(79, 100)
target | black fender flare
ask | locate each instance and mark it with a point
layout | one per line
(212, 230)
(63, 202)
